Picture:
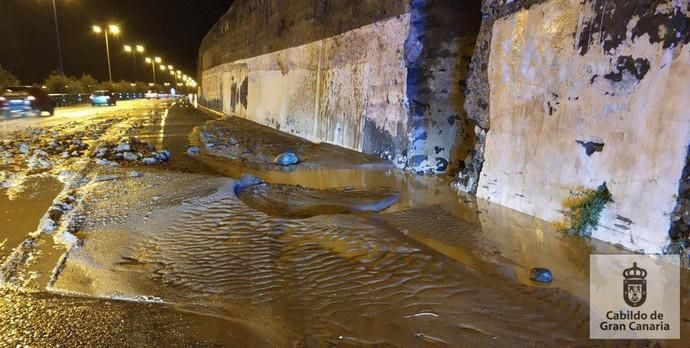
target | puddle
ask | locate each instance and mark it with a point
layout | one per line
(322, 278)
(20, 216)
(46, 320)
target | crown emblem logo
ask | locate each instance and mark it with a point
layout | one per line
(635, 285)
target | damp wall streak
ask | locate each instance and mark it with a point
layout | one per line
(323, 90)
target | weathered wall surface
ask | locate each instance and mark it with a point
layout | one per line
(322, 90)
(383, 77)
(437, 55)
(572, 94)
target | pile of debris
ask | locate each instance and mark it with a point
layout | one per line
(61, 206)
(130, 150)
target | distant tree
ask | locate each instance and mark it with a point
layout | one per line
(88, 83)
(58, 83)
(74, 85)
(105, 85)
(141, 87)
(124, 87)
(7, 78)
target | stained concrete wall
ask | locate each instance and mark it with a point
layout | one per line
(568, 94)
(378, 76)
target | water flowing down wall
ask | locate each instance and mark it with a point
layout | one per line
(382, 77)
(570, 94)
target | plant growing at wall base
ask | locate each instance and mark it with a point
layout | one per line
(584, 210)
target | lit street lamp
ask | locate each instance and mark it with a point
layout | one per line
(112, 29)
(153, 62)
(133, 50)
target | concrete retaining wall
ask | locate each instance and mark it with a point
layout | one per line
(383, 77)
(560, 95)
(572, 94)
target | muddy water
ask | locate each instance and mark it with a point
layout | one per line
(45, 320)
(21, 208)
(436, 269)
(338, 278)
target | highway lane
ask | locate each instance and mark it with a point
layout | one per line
(78, 113)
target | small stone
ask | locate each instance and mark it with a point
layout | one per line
(129, 156)
(541, 275)
(163, 156)
(135, 174)
(48, 226)
(122, 147)
(192, 150)
(35, 163)
(23, 148)
(64, 154)
(286, 159)
(150, 161)
(74, 154)
(67, 239)
(105, 162)
(101, 151)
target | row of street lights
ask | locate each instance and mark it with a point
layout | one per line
(134, 49)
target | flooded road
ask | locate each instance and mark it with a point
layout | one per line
(170, 248)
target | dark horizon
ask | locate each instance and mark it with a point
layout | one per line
(172, 29)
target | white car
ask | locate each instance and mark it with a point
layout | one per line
(151, 95)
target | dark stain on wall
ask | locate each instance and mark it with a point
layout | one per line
(441, 38)
(637, 67)
(680, 217)
(244, 88)
(609, 25)
(591, 146)
(378, 141)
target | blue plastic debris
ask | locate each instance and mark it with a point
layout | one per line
(541, 275)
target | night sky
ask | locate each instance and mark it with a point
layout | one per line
(171, 29)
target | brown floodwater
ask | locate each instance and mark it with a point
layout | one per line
(177, 251)
(21, 208)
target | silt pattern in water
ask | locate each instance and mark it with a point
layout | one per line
(342, 279)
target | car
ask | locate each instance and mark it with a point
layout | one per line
(24, 100)
(103, 97)
(152, 95)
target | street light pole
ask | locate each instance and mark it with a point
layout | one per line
(57, 34)
(107, 53)
(137, 49)
(113, 29)
(153, 62)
